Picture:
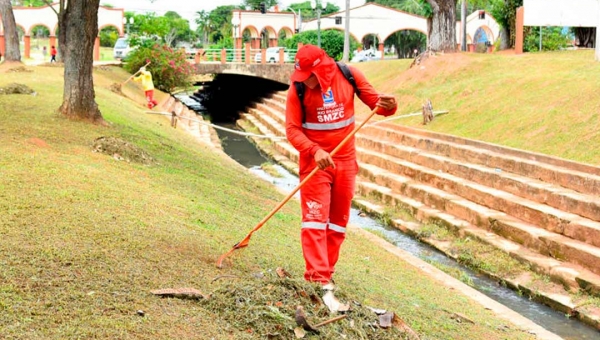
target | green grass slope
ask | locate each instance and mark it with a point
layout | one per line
(541, 102)
(85, 237)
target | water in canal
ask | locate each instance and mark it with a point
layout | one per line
(244, 151)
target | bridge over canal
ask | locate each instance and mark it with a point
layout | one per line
(276, 72)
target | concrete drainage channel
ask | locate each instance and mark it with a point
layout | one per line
(551, 320)
(546, 317)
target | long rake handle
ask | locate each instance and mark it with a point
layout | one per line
(244, 242)
(133, 75)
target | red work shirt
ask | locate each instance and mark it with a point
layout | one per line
(53, 51)
(329, 117)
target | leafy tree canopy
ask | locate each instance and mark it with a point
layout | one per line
(308, 13)
(332, 41)
(255, 4)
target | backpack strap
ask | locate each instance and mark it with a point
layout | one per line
(347, 74)
(300, 92)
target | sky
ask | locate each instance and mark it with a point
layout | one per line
(188, 8)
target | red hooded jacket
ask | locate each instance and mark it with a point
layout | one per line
(329, 116)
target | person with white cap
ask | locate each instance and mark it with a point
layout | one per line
(316, 121)
(148, 84)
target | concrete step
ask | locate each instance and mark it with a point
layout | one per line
(561, 162)
(281, 145)
(539, 214)
(280, 97)
(553, 195)
(571, 275)
(276, 105)
(273, 125)
(538, 239)
(560, 172)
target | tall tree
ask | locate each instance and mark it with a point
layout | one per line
(203, 26)
(442, 33)
(220, 22)
(308, 13)
(10, 32)
(255, 4)
(80, 23)
(441, 20)
(505, 13)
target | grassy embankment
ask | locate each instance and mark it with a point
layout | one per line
(542, 102)
(85, 237)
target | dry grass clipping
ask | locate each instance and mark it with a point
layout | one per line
(121, 150)
(265, 306)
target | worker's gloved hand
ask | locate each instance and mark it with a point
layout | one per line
(387, 102)
(323, 159)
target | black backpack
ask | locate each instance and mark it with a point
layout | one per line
(347, 74)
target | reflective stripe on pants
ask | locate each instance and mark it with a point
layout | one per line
(326, 200)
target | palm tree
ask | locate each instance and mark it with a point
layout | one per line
(203, 25)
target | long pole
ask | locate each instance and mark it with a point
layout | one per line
(319, 25)
(463, 24)
(346, 54)
(598, 36)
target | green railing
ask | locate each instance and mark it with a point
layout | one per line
(230, 55)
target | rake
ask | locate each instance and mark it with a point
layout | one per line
(244, 243)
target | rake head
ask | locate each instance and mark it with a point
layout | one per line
(242, 244)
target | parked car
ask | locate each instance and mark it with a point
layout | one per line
(365, 55)
(121, 48)
(272, 55)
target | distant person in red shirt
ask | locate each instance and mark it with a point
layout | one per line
(53, 54)
(315, 127)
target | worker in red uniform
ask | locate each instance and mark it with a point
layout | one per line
(315, 127)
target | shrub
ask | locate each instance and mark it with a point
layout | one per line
(168, 66)
(108, 36)
(553, 39)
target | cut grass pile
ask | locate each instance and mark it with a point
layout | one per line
(86, 236)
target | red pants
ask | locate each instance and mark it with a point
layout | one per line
(326, 201)
(150, 98)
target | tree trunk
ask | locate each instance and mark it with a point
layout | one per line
(80, 20)
(62, 35)
(585, 36)
(504, 39)
(12, 52)
(442, 35)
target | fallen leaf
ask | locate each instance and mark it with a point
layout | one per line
(282, 273)
(400, 325)
(299, 332)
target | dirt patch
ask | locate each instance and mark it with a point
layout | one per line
(431, 65)
(18, 69)
(121, 150)
(38, 142)
(53, 64)
(15, 88)
(264, 305)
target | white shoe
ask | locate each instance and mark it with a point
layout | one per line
(331, 301)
